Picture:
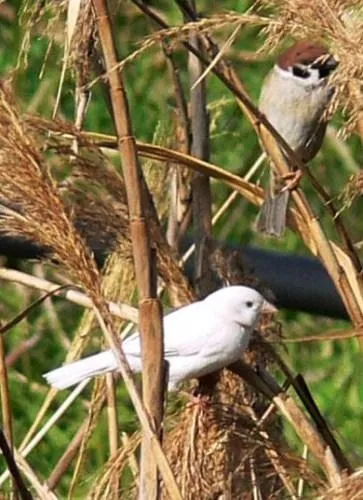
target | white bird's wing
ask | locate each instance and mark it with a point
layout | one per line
(185, 332)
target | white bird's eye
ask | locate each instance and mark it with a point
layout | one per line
(249, 303)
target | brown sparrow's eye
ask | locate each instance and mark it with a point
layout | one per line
(300, 72)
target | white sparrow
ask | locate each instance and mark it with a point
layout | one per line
(198, 339)
(294, 97)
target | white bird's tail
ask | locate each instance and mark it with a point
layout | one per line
(72, 374)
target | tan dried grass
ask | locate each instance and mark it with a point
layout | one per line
(32, 205)
(350, 489)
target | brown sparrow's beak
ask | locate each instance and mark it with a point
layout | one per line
(327, 63)
(269, 308)
(332, 63)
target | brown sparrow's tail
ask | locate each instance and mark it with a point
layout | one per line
(271, 219)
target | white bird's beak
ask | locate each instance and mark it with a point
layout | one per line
(267, 307)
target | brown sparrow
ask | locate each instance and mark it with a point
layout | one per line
(294, 96)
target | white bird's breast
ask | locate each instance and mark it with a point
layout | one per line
(228, 342)
(210, 343)
(223, 347)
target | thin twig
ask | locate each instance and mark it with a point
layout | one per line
(123, 311)
(227, 203)
(48, 305)
(13, 468)
(5, 403)
(305, 395)
(201, 191)
(183, 133)
(302, 426)
(256, 492)
(49, 424)
(250, 191)
(22, 348)
(5, 396)
(300, 484)
(97, 403)
(269, 449)
(218, 56)
(25, 312)
(82, 96)
(66, 459)
(350, 334)
(132, 459)
(43, 492)
(306, 398)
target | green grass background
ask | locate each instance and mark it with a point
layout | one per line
(333, 370)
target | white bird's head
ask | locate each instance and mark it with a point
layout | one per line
(240, 304)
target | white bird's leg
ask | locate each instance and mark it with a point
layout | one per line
(202, 401)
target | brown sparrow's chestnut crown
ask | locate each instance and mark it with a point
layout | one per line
(307, 61)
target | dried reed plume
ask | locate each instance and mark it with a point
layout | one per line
(32, 206)
(95, 190)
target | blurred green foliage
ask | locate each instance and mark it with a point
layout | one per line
(333, 370)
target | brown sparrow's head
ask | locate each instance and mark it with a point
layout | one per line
(307, 61)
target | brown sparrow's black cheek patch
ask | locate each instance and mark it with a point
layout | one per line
(324, 71)
(300, 72)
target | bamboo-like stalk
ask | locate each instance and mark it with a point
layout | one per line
(113, 430)
(151, 330)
